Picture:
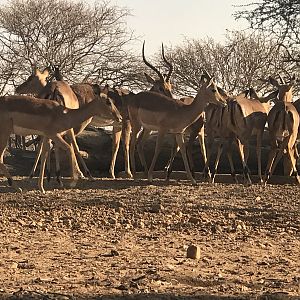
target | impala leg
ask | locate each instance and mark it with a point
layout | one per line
(159, 140)
(3, 143)
(140, 148)
(244, 163)
(37, 158)
(206, 171)
(272, 155)
(71, 139)
(229, 156)
(169, 166)
(61, 143)
(48, 165)
(57, 165)
(44, 155)
(133, 140)
(116, 137)
(291, 156)
(180, 142)
(209, 145)
(219, 153)
(258, 155)
(80, 158)
(126, 129)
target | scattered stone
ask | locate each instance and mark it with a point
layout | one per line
(194, 220)
(193, 252)
(156, 208)
(14, 265)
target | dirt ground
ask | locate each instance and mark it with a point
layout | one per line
(125, 239)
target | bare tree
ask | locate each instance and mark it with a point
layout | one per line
(238, 63)
(280, 18)
(87, 41)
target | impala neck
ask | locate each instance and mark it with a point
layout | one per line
(200, 101)
(74, 117)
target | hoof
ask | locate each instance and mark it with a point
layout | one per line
(73, 183)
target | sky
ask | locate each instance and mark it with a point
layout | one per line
(171, 21)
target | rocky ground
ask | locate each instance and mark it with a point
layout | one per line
(120, 239)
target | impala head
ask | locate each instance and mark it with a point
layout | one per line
(161, 85)
(106, 108)
(34, 83)
(211, 92)
(285, 91)
(217, 95)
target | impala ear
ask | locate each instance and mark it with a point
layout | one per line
(273, 81)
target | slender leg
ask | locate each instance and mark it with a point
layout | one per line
(61, 143)
(245, 167)
(126, 129)
(209, 145)
(206, 171)
(140, 148)
(169, 166)
(180, 142)
(117, 131)
(48, 163)
(258, 155)
(272, 155)
(291, 155)
(159, 139)
(133, 139)
(57, 165)
(37, 158)
(229, 156)
(44, 155)
(72, 140)
(3, 143)
(219, 153)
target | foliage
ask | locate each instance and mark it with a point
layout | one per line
(88, 42)
(238, 63)
(280, 18)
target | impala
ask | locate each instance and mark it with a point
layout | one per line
(153, 111)
(161, 85)
(28, 115)
(283, 123)
(73, 97)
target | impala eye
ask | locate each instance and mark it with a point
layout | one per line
(214, 90)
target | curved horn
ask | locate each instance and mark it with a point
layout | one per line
(149, 65)
(167, 78)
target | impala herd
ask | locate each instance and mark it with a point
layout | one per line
(48, 106)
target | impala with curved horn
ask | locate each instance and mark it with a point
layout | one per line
(162, 86)
(153, 111)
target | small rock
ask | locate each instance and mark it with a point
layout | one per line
(194, 220)
(156, 208)
(14, 265)
(193, 252)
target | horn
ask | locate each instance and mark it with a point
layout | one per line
(167, 62)
(149, 65)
